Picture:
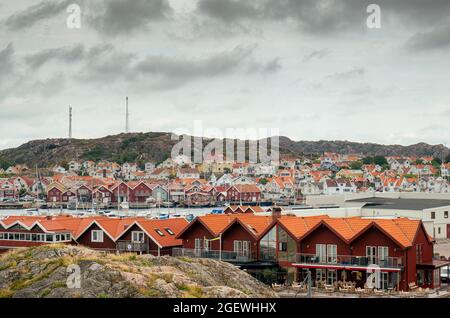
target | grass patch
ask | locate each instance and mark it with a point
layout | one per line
(102, 295)
(6, 293)
(59, 284)
(46, 292)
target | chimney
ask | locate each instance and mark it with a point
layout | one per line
(276, 213)
(49, 217)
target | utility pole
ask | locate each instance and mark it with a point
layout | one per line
(70, 122)
(127, 118)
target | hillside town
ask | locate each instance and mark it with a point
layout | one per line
(217, 182)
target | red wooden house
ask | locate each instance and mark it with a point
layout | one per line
(332, 249)
(120, 192)
(244, 193)
(55, 192)
(139, 192)
(102, 194)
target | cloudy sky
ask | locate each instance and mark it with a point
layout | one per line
(311, 68)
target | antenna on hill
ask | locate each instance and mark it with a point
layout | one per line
(127, 118)
(70, 122)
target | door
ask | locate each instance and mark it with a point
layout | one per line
(383, 255)
(371, 254)
(448, 230)
(246, 248)
(198, 246)
(332, 253)
(321, 252)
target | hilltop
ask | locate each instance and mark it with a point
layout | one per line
(42, 272)
(156, 147)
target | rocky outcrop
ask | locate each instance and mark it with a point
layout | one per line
(60, 271)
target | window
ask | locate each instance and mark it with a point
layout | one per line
(331, 253)
(439, 230)
(282, 246)
(49, 238)
(238, 247)
(169, 231)
(246, 248)
(383, 254)
(206, 244)
(419, 253)
(371, 254)
(1, 236)
(320, 274)
(331, 276)
(159, 232)
(97, 236)
(445, 214)
(137, 237)
(198, 246)
(321, 252)
(433, 215)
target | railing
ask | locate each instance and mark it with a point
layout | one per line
(128, 246)
(350, 260)
(226, 256)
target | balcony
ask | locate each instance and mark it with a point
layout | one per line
(226, 256)
(129, 246)
(350, 261)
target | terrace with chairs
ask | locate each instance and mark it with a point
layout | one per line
(350, 262)
(349, 290)
(226, 256)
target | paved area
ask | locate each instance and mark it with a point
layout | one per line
(443, 292)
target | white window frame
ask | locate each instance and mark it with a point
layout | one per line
(137, 237)
(371, 254)
(246, 246)
(99, 238)
(237, 247)
(332, 253)
(321, 252)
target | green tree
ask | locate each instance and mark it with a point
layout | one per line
(436, 162)
(356, 165)
(367, 160)
(419, 161)
(380, 160)
(263, 181)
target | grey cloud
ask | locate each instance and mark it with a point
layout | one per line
(107, 66)
(316, 16)
(33, 14)
(272, 66)
(66, 54)
(437, 38)
(183, 68)
(230, 10)
(326, 16)
(356, 72)
(316, 54)
(6, 60)
(122, 17)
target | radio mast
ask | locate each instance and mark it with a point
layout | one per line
(127, 118)
(70, 122)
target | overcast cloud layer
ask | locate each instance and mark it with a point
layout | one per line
(311, 68)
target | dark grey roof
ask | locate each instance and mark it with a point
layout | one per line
(402, 204)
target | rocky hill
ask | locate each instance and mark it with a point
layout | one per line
(156, 146)
(43, 272)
